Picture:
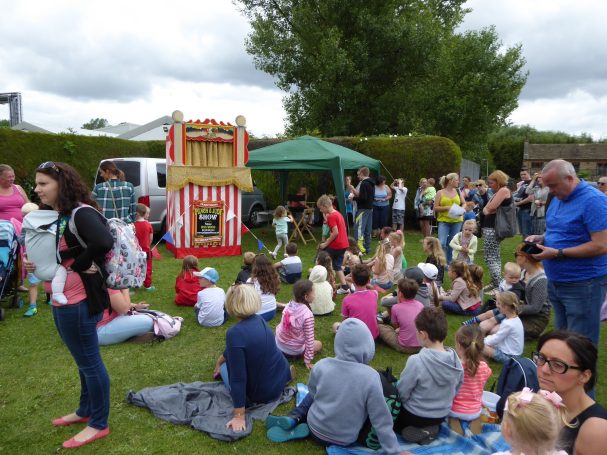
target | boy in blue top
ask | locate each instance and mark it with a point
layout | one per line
(343, 392)
(289, 269)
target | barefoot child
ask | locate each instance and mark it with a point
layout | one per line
(295, 332)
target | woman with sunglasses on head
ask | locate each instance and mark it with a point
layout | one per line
(566, 364)
(60, 188)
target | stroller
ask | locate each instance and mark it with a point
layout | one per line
(9, 265)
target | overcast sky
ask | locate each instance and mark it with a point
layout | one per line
(135, 61)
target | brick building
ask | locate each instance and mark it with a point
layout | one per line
(588, 159)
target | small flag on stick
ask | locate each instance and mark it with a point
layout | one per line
(168, 238)
(259, 245)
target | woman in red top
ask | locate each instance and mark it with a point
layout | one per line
(187, 285)
(337, 242)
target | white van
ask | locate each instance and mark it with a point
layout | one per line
(148, 176)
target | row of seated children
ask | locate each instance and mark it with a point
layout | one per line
(436, 384)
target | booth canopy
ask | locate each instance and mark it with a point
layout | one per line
(306, 154)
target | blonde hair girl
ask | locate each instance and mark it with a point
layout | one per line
(467, 403)
(509, 340)
(532, 422)
(463, 298)
(382, 265)
(436, 256)
(397, 249)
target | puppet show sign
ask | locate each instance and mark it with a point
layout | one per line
(207, 223)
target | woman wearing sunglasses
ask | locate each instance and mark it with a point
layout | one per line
(60, 188)
(566, 364)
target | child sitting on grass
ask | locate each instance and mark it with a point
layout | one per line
(187, 286)
(397, 250)
(429, 381)
(289, 269)
(509, 340)
(245, 272)
(323, 303)
(209, 308)
(333, 413)
(325, 260)
(467, 403)
(436, 256)
(362, 304)
(464, 296)
(382, 265)
(295, 332)
(351, 256)
(267, 284)
(400, 333)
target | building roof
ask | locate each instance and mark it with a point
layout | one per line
(121, 128)
(569, 152)
(150, 131)
(30, 127)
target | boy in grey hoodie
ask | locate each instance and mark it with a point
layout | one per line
(429, 381)
(343, 392)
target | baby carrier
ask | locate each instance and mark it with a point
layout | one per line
(9, 261)
(40, 228)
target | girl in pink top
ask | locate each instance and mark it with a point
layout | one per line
(295, 333)
(467, 403)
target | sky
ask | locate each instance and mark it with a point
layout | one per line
(135, 61)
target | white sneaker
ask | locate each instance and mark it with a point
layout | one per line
(342, 291)
(273, 255)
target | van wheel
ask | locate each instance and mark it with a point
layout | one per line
(253, 222)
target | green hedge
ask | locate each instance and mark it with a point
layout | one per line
(407, 157)
(25, 151)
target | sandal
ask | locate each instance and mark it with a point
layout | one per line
(420, 436)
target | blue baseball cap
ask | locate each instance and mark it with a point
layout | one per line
(208, 273)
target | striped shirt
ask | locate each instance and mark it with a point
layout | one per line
(122, 205)
(470, 394)
(295, 333)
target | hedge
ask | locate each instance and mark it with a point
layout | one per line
(404, 157)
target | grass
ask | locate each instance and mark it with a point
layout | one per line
(38, 379)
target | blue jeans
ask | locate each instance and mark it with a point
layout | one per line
(577, 305)
(223, 371)
(363, 228)
(453, 307)
(525, 222)
(124, 327)
(78, 331)
(446, 232)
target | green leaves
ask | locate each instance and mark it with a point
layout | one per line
(385, 67)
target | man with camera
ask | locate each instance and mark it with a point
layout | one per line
(574, 249)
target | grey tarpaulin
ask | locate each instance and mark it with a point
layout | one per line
(206, 406)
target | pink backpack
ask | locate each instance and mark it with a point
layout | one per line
(165, 326)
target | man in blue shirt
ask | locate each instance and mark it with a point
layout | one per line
(574, 250)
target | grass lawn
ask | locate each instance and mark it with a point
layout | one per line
(39, 381)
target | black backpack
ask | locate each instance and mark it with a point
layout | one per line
(368, 436)
(518, 372)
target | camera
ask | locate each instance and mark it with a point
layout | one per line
(531, 248)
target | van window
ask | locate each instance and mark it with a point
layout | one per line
(132, 171)
(161, 174)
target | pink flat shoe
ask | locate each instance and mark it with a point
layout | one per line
(61, 422)
(72, 443)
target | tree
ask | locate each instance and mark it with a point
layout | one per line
(384, 67)
(95, 124)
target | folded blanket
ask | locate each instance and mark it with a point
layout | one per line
(206, 406)
(448, 442)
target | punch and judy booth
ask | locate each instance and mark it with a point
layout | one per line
(205, 175)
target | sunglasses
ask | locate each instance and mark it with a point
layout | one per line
(602, 183)
(48, 165)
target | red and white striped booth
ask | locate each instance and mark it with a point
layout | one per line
(205, 174)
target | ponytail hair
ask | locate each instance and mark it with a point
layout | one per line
(470, 338)
(110, 166)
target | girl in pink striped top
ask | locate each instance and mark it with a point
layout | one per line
(295, 333)
(467, 403)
